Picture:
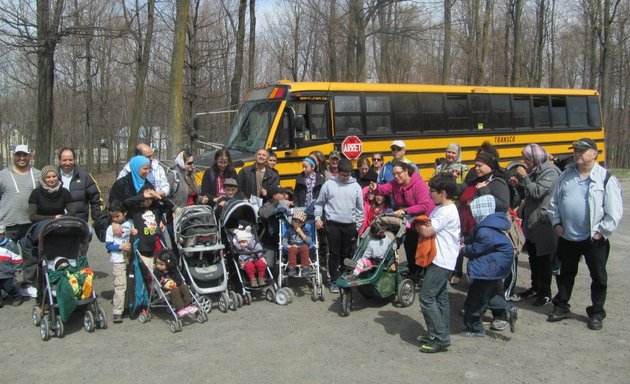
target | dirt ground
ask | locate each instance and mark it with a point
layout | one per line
(309, 342)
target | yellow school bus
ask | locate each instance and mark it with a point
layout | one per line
(295, 118)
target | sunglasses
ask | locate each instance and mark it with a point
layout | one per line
(396, 149)
(377, 159)
(189, 163)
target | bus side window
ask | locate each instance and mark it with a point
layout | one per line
(281, 140)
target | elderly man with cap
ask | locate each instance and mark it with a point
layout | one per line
(16, 184)
(585, 209)
(341, 200)
(398, 152)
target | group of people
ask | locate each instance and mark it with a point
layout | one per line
(564, 215)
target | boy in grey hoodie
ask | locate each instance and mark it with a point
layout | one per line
(341, 200)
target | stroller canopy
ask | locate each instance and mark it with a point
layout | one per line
(196, 226)
(238, 212)
(67, 236)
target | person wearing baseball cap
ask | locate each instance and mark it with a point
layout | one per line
(398, 148)
(585, 209)
(333, 162)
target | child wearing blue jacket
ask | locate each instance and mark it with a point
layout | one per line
(490, 255)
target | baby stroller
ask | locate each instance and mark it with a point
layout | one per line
(198, 237)
(239, 212)
(159, 299)
(314, 275)
(388, 279)
(68, 237)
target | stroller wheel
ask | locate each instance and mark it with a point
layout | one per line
(282, 297)
(201, 317)
(270, 295)
(346, 301)
(291, 293)
(101, 319)
(206, 304)
(58, 327)
(174, 326)
(37, 316)
(224, 302)
(44, 330)
(233, 301)
(88, 321)
(248, 299)
(406, 292)
(239, 297)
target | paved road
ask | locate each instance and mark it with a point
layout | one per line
(310, 342)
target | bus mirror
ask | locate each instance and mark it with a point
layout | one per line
(298, 126)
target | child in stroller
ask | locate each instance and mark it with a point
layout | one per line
(375, 251)
(251, 256)
(172, 283)
(297, 241)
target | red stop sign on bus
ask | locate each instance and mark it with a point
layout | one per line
(352, 147)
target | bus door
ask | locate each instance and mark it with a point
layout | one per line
(303, 124)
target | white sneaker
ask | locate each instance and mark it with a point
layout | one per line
(29, 291)
(514, 297)
(499, 325)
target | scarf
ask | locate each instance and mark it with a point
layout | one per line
(45, 171)
(537, 155)
(135, 164)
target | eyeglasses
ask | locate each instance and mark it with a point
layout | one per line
(189, 163)
(377, 159)
(398, 173)
(396, 149)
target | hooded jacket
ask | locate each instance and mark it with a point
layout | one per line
(415, 197)
(490, 251)
(341, 201)
(85, 193)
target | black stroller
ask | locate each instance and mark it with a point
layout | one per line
(68, 237)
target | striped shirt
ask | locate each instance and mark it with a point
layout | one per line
(15, 190)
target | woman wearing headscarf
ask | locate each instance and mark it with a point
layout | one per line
(452, 163)
(50, 200)
(186, 190)
(134, 187)
(537, 182)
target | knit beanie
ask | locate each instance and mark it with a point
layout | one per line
(487, 159)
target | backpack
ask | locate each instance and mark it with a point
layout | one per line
(174, 183)
(515, 233)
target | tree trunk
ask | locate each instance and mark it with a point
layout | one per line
(515, 81)
(235, 84)
(332, 45)
(251, 64)
(176, 80)
(448, 37)
(47, 37)
(142, 68)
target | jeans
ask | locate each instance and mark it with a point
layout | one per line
(596, 256)
(483, 294)
(341, 239)
(434, 303)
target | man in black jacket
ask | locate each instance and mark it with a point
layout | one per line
(86, 195)
(257, 179)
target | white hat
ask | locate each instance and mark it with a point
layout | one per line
(21, 148)
(3, 228)
(398, 143)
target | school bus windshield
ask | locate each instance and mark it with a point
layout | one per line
(252, 125)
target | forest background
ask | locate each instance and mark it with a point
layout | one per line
(96, 75)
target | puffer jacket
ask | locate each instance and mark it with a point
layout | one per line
(84, 191)
(490, 251)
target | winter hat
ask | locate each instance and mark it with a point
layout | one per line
(230, 182)
(299, 215)
(487, 159)
(482, 207)
(58, 261)
(47, 169)
(243, 234)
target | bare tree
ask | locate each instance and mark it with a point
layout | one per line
(176, 81)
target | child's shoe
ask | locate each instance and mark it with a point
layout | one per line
(306, 271)
(291, 272)
(349, 263)
(117, 318)
(253, 283)
(262, 281)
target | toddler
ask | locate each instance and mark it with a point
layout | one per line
(10, 264)
(296, 240)
(373, 254)
(251, 256)
(119, 248)
(171, 281)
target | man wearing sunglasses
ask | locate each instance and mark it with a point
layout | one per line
(585, 209)
(398, 153)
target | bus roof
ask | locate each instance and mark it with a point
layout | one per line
(378, 87)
